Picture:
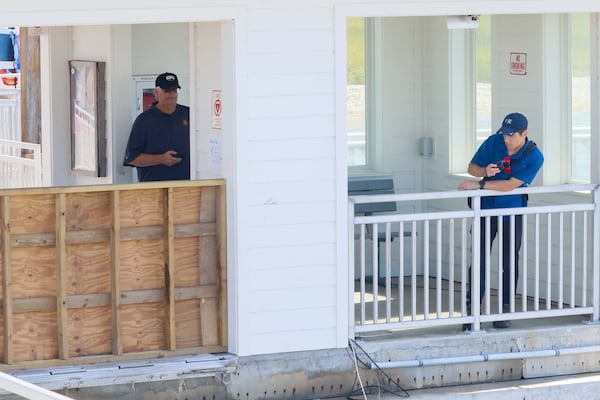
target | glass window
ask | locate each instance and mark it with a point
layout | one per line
(355, 93)
(581, 98)
(484, 80)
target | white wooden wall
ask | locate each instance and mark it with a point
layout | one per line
(288, 278)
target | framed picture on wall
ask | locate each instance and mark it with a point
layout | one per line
(88, 117)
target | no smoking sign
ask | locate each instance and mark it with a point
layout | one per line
(518, 63)
(217, 108)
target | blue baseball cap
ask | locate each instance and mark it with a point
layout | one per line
(513, 123)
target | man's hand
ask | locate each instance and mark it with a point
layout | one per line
(468, 185)
(170, 158)
(483, 172)
(491, 170)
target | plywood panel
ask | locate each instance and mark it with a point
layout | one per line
(89, 268)
(187, 324)
(186, 205)
(142, 207)
(208, 260)
(90, 331)
(208, 205)
(33, 272)
(88, 211)
(187, 271)
(210, 331)
(32, 214)
(35, 336)
(142, 264)
(143, 327)
(90, 276)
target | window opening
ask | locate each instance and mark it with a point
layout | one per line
(355, 93)
(581, 117)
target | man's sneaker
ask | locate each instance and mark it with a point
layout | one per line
(503, 324)
(467, 327)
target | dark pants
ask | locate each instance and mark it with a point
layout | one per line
(484, 254)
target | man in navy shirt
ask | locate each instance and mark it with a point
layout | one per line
(506, 160)
(159, 142)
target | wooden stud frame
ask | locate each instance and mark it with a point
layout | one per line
(112, 272)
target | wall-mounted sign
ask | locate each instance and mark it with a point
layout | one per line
(518, 63)
(216, 110)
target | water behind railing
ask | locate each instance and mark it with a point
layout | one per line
(416, 273)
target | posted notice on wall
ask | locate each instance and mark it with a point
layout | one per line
(216, 121)
(215, 157)
(518, 63)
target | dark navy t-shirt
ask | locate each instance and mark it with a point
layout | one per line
(155, 132)
(493, 150)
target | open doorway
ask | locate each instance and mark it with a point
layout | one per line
(199, 53)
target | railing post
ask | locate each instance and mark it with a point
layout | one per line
(475, 289)
(352, 262)
(595, 255)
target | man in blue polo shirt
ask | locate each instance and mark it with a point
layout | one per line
(505, 161)
(159, 142)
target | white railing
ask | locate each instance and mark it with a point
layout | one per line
(10, 114)
(27, 390)
(20, 164)
(416, 274)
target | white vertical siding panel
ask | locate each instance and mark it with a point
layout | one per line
(402, 99)
(291, 106)
(291, 127)
(290, 320)
(292, 62)
(306, 258)
(294, 83)
(306, 18)
(291, 192)
(282, 214)
(291, 235)
(289, 42)
(298, 297)
(517, 92)
(292, 149)
(298, 338)
(289, 171)
(291, 278)
(291, 180)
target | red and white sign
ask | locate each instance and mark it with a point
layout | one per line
(216, 110)
(518, 63)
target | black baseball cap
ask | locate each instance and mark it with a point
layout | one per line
(167, 81)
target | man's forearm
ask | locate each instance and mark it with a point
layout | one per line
(147, 160)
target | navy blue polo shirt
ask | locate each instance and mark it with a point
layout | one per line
(493, 150)
(154, 132)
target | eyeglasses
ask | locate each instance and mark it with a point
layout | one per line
(170, 90)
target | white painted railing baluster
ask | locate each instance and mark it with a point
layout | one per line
(550, 264)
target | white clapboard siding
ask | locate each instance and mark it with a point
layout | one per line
(291, 222)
